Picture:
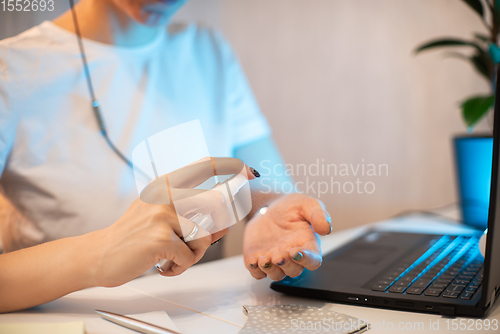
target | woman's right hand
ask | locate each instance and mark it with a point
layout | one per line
(148, 233)
(144, 235)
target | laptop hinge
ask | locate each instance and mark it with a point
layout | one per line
(448, 310)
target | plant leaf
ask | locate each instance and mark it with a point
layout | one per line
(496, 11)
(475, 108)
(457, 55)
(481, 62)
(481, 66)
(476, 5)
(485, 63)
(482, 37)
(446, 42)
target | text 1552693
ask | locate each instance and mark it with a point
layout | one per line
(27, 5)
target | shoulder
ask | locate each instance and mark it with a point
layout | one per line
(199, 38)
(28, 39)
(20, 58)
(22, 52)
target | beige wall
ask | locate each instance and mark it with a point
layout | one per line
(12, 23)
(338, 81)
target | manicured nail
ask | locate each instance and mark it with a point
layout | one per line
(213, 243)
(329, 220)
(297, 256)
(253, 265)
(282, 262)
(254, 172)
(267, 265)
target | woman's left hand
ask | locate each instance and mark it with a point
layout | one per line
(284, 240)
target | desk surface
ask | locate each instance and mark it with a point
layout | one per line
(208, 298)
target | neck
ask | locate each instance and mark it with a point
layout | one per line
(102, 21)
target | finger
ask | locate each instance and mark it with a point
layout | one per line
(282, 260)
(179, 193)
(159, 191)
(213, 203)
(219, 234)
(220, 209)
(252, 265)
(252, 173)
(200, 245)
(197, 201)
(156, 192)
(313, 211)
(182, 256)
(193, 175)
(185, 228)
(307, 258)
(196, 237)
(178, 183)
(274, 272)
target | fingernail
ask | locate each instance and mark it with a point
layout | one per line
(282, 262)
(213, 243)
(267, 265)
(297, 256)
(253, 265)
(329, 220)
(328, 217)
(254, 172)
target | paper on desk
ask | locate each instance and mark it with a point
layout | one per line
(76, 327)
(101, 326)
(300, 319)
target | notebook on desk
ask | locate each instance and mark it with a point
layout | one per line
(443, 274)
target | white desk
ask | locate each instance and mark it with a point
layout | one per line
(208, 298)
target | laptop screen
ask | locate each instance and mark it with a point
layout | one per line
(491, 280)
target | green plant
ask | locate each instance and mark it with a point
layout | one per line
(485, 57)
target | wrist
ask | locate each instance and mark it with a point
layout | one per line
(87, 258)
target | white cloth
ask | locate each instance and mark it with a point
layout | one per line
(57, 168)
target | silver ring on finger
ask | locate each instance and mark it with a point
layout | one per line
(191, 235)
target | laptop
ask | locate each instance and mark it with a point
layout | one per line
(441, 274)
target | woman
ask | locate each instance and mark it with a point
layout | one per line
(79, 196)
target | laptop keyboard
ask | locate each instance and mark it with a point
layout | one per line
(452, 268)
